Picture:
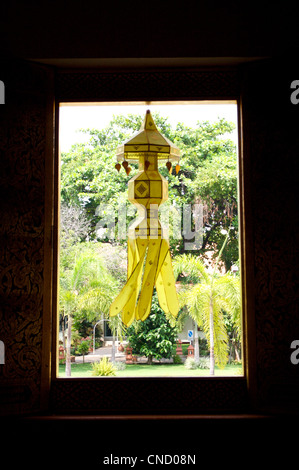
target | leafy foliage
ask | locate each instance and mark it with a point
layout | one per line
(74, 225)
(155, 337)
(91, 273)
(104, 368)
(86, 286)
(208, 175)
(192, 364)
(83, 348)
(207, 298)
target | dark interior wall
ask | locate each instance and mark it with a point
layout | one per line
(72, 29)
(26, 146)
(56, 29)
(271, 143)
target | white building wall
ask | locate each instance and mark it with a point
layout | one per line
(189, 325)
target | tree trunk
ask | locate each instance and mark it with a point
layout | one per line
(113, 349)
(196, 344)
(63, 332)
(212, 359)
(68, 348)
(150, 360)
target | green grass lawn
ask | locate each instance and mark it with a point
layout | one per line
(154, 370)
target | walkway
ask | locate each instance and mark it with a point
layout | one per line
(100, 353)
(119, 356)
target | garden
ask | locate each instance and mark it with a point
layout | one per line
(154, 370)
(93, 257)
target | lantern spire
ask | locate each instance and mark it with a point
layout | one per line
(148, 139)
(148, 123)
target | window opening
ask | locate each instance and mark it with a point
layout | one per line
(201, 218)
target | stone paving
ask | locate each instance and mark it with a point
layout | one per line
(119, 356)
(100, 353)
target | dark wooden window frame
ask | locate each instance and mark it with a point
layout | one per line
(161, 396)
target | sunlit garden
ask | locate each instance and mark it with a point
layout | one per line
(154, 370)
(94, 218)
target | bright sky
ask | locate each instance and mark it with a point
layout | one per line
(98, 116)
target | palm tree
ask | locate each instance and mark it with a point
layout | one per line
(210, 295)
(98, 298)
(86, 286)
(118, 330)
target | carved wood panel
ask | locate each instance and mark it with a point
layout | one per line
(147, 85)
(272, 138)
(149, 396)
(22, 183)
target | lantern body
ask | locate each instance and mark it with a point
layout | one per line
(147, 190)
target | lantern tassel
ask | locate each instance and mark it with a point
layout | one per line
(157, 272)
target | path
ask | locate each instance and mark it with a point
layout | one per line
(100, 353)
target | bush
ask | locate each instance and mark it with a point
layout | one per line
(119, 365)
(191, 363)
(204, 363)
(153, 337)
(104, 368)
(177, 359)
(83, 348)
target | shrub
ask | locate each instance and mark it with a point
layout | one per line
(204, 363)
(104, 368)
(119, 365)
(177, 359)
(191, 363)
(83, 348)
(154, 337)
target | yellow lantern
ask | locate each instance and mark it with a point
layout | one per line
(147, 244)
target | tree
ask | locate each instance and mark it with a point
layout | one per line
(118, 330)
(215, 186)
(208, 175)
(155, 337)
(83, 348)
(88, 176)
(207, 300)
(70, 285)
(74, 225)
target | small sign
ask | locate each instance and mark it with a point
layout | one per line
(190, 334)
